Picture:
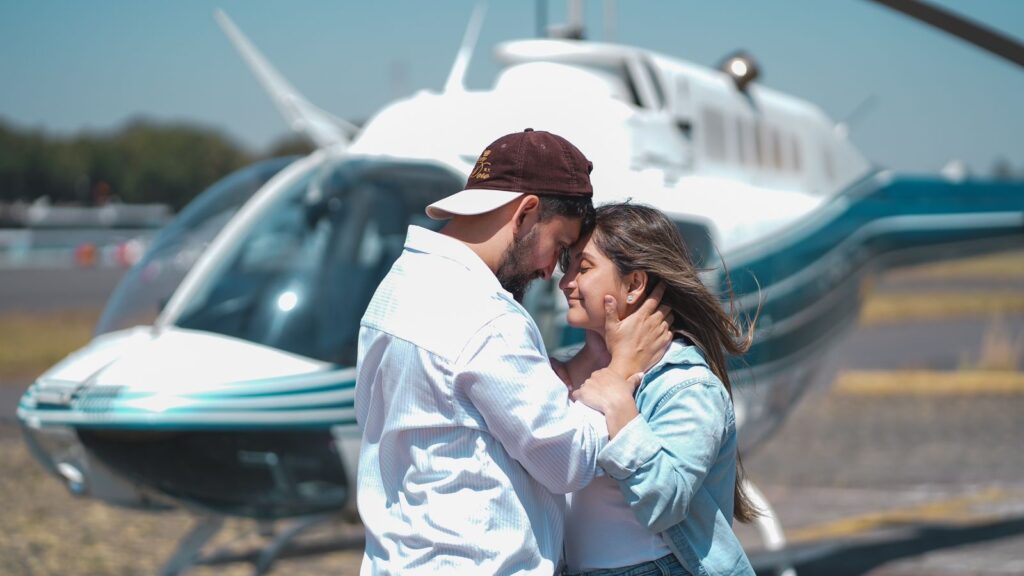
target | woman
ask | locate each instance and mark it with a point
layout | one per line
(672, 483)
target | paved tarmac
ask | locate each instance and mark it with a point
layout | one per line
(904, 484)
(53, 289)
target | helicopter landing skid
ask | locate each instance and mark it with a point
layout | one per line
(769, 527)
(189, 551)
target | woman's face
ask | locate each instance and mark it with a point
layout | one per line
(590, 276)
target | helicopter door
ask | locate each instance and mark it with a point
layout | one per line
(657, 141)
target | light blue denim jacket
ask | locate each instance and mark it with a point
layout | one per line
(676, 464)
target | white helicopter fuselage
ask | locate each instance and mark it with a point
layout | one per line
(771, 196)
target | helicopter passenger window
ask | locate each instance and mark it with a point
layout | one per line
(776, 147)
(714, 134)
(796, 153)
(761, 145)
(634, 94)
(659, 92)
(741, 142)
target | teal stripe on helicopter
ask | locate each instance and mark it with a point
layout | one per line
(880, 217)
(806, 279)
(298, 421)
(117, 407)
(877, 197)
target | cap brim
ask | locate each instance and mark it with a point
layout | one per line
(470, 203)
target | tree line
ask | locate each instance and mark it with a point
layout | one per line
(146, 162)
(141, 162)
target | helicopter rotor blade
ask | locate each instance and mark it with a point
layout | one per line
(978, 34)
(457, 76)
(322, 127)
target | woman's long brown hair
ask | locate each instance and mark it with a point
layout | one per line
(641, 238)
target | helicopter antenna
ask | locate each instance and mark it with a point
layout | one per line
(573, 28)
(457, 77)
(322, 127)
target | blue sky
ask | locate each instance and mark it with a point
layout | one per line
(67, 65)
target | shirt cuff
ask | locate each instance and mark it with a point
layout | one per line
(631, 448)
(596, 421)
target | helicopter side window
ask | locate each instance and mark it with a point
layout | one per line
(301, 278)
(146, 288)
(776, 148)
(697, 240)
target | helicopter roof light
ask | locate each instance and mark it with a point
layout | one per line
(742, 68)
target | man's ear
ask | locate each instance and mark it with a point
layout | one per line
(527, 214)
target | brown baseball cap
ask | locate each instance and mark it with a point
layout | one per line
(527, 162)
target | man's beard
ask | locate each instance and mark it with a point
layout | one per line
(512, 273)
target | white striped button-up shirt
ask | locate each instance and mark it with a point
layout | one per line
(469, 440)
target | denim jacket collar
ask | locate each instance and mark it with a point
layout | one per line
(680, 353)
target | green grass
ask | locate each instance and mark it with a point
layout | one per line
(31, 343)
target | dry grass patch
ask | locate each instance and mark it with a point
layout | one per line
(1002, 266)
(48, 531)
(928, 383)
(892, 308)
(31, 343)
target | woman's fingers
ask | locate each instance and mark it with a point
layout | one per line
(652, 302)
(611, 314)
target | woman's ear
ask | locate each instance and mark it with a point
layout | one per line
(636, 286)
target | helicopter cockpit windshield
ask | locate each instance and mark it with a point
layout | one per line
(300, 278)
(142, 293)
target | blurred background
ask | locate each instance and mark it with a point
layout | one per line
(115, 114)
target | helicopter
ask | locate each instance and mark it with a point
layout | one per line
(221, 375)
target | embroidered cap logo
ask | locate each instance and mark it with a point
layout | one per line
(483, 167)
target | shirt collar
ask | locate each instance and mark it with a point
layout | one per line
(429, 242)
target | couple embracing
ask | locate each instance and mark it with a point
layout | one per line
(482, 455)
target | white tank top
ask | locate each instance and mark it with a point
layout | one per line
(602, 532)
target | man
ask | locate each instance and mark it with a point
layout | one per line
(469, 441)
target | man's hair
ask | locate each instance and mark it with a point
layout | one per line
(569, 207)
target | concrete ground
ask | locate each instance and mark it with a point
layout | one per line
(898, 483)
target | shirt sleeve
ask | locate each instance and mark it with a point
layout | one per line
(506, 375)
(660, 463)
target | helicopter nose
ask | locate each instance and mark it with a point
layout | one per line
(58, 449)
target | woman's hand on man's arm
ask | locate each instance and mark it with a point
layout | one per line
(611, 395)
